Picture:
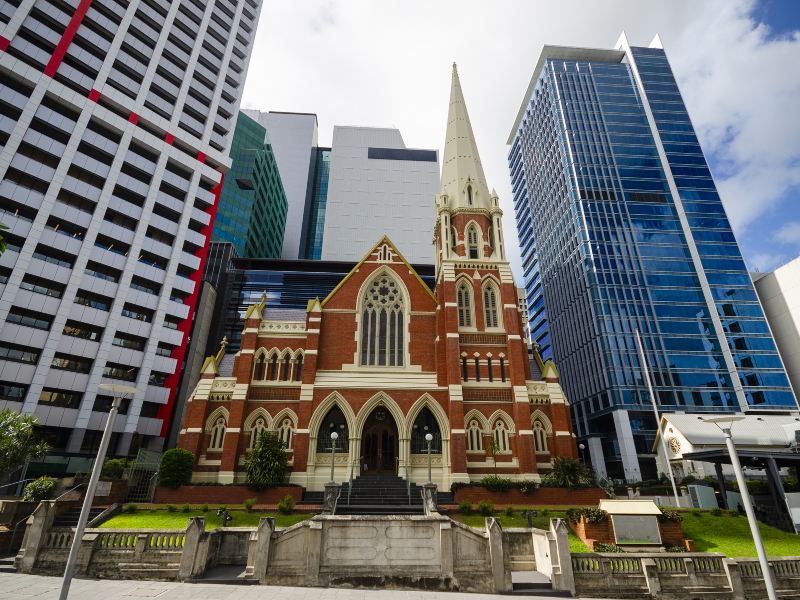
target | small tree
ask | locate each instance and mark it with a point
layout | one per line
(18, 441)
(568, 473)
(113, 468)
(2, 240)
(266, 464)
(175, 468)
(39, 489)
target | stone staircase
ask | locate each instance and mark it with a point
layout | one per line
(379, 495)
(70, 517)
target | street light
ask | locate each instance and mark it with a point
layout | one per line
(334, 437)
(429, 439)
(724, 424)
(118, 391)
(582, 447)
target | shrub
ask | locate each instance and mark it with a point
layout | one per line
(509, 511)
(733, 513)
(688, 480)
(171, 508)
(485, 508)
(697, 513)
(204, 508)
(671, 516)
(266, 464)
(568, 473)
(130, 509)
(544, 512)
(592, 515)
(716, 512)
(249, 504)
(39, 489)
(608, 548)
(465, 508)
(113, 468)
(286, 505)
(675, 549)
(497, 484)
(186, 508)
(175, 468)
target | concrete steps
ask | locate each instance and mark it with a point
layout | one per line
(379, 495)
(7, 565)
(70, 517)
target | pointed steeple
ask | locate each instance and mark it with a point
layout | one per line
(462, 164)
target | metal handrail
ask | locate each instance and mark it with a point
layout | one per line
(72, 489)
(350, 484)
(14, 483)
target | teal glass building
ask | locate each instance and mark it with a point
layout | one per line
(317, 204)
(621, 228)
(252, 207)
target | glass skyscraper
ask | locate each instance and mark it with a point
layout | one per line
(315, 226)
(252, 209)
(621, 228)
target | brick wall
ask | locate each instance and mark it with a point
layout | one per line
(540, 496)
(224, 494)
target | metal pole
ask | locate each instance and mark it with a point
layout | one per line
(751, 516)
(333, 457)
(87, 501)
(646, 373)
(430, 479)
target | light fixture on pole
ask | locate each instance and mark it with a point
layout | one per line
(582, 447)
(646, 373)
(119, 392)
(334, 437)
(724, 424)
(429, 439)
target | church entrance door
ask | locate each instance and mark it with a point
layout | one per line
(379, 444)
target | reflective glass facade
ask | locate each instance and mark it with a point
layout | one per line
(319, 200)
(621, 228)
(252, 209)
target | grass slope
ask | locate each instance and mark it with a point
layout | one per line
(731, 535)
(163, 519)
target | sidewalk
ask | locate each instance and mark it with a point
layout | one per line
(24, 587)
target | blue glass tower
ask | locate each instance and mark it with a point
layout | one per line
(621, 228)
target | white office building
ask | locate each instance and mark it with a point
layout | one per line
(116, 119)
(378, 186)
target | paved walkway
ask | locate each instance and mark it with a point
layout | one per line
(23, 587)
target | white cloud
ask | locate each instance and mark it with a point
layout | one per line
(789, 233)
(361, 62)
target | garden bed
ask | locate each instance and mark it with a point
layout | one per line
(225, 494)
(162, 518)
(541, 496)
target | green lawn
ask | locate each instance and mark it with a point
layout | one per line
(731, 535)
(163, 519)
(541, 522)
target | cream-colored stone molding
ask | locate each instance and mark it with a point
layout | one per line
(564, 433)
(420, 460)
(284, 328)
(324, 458)
(194, 430)
(488, 464)
(223, 384)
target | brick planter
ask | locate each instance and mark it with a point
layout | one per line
(224, 494)
(539, 496)
(603, 533)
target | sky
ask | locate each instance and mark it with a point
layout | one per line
(385, 63)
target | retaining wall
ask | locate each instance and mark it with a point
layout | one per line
(224, 494)
(537, 497)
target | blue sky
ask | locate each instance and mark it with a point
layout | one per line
(387, 63)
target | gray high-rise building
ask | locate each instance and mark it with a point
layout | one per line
(116, 127)
(622, 229)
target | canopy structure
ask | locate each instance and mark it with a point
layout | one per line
(768, 460)
(630, 507)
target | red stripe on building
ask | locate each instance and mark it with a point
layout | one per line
(66, 38)
(169, 138)
(94, 95)
(4, 43)
(165, 411)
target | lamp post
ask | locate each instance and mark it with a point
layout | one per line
(118, 391)
(429, 439)
(724, 424)
(582, 447)
(334, 437)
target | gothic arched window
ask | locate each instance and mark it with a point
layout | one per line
(287, 365)
(285, 433)
(464, 301)
(472, 242)
(490, 306)
(453, 238)
(469, 195)
(383, 324)
(539, 436)
(474, 436)
(298, 368)
(272, 373)
(217, 435)
(259, 428)
(260, 368)
(424, 424)
(333, 421)
(501, 436)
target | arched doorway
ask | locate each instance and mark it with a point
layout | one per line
(379, 443)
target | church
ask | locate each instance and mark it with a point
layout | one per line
(384, 365)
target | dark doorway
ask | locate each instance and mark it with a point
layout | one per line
(379, 443)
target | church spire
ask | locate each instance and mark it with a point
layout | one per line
(462, 173)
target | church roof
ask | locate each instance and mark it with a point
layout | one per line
(461, 161)
(384, 240)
